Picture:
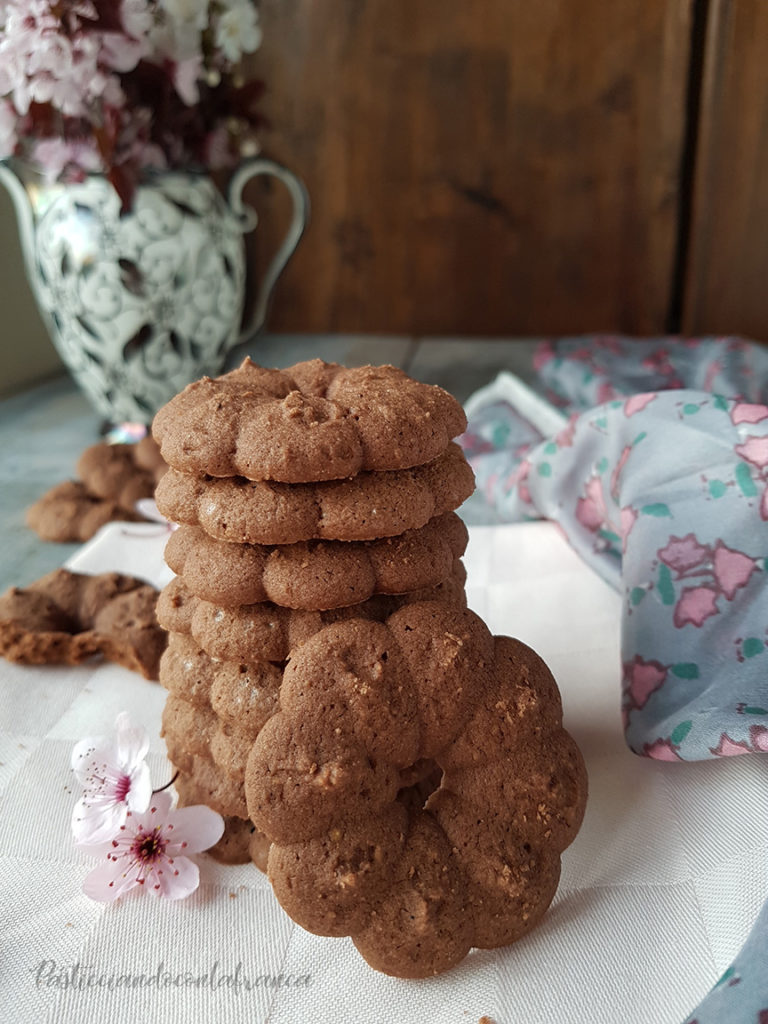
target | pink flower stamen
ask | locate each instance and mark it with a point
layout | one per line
(148, 847)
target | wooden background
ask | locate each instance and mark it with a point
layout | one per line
(727, 273)
(508, 167)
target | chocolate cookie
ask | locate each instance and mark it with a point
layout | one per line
(362, 706)
(187, 730)
(123, 473)
(316, 575)
(69, 512)
(113, 478)
(313, 421)
(147, 456)
(236, 844)
(230, 748)
(176, 607)
(242, 695)
(256, 632)
(67, 617)
(201, 782)
(365, 507)
(186, 671)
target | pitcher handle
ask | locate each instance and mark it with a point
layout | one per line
(10, 177)
(248, 219)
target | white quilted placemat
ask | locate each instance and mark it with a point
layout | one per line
(658, 891)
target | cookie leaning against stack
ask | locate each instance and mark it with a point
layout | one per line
(306, 496)
(471, 859)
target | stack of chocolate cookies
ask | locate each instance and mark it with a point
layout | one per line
(305, 497)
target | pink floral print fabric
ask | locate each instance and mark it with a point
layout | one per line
(665, 494)
(659, 480)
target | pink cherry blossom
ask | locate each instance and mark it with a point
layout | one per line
(115, 777)
(730, 748)
(85, 66)
(136, 17)
(642, 678)
(733, 569)
(56, 156)
(661, 750)
(186, 74)
(187, 12)
(42, 63)
(120, 52)
(637, 403)
(84, 9)
(684, 553)
(747, 412)
(150, 850)
(590, 510)
(754, 450)
(238, 30)
(696, 605)
(758, 735)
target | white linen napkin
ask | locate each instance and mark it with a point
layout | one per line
(658, 891)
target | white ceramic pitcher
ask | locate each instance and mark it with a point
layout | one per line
(139, 304)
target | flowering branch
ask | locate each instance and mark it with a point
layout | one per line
(123, 86)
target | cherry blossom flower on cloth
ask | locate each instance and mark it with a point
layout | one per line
(150, 850)
(684, 553)
(695, 606)
(754, 450)
(748, 412)
(732, 569)
(642, 678)
(115, 778)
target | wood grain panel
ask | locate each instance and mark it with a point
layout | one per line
(726, 289)
(484, 167)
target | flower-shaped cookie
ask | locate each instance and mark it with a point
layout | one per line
(362, 704)
(313, 421)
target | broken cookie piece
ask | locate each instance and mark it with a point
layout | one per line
(67, 617)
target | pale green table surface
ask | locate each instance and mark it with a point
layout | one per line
(44, 430)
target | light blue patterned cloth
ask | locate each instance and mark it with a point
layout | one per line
(652, 457)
